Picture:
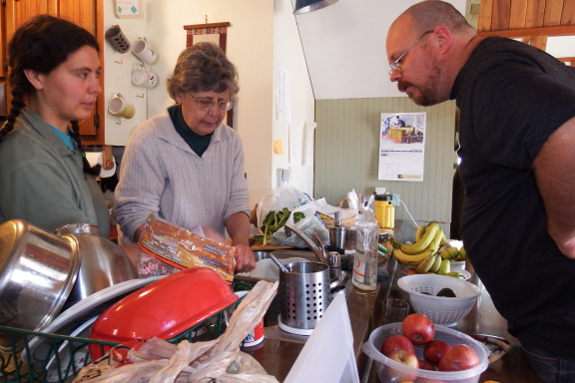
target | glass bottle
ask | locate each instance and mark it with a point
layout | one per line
(365, 263)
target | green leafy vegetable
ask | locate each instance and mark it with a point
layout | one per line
(275, 220)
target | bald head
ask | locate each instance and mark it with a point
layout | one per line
(428, 15)
(427, 45)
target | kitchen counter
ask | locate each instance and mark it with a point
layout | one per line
(280, 350)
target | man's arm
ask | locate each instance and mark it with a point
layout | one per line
(554, 170)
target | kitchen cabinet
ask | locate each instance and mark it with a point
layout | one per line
(87, 14)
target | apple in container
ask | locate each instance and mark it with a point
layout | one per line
(396, 342)
(435, 350)
(425, 365)
(418, 328)
(460, 357)
(406, 358)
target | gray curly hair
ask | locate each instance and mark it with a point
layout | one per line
(203, 67)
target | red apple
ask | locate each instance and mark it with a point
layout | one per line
(435, 350)
(405, 357)
(408, 359)
(460, 357)
(425, 365)
(396, 342)
(418, 328)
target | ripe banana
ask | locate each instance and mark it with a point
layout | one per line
(419, 232)
(463, 253)
(426, 264)
(424, 242)
(435, 243)
(410, 259)
(443, 253)
(452, 250)
(443, 239)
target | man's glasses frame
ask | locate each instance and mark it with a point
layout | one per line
(395, 67)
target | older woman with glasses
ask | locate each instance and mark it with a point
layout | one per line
(186, 165)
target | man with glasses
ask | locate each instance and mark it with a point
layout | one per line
(186, 165)
(517, 140)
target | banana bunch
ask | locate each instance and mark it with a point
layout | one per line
(428, 239)
(451, 253)
(435, 264)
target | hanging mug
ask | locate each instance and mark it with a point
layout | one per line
(120, 107)
(141, 77)
(117, 39)
(142, 49)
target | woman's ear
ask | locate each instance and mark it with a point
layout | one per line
(35, 78)
(178, 97)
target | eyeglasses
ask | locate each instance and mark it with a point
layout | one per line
(395, 67)
(206, 104)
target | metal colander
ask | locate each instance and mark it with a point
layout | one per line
(304, 294)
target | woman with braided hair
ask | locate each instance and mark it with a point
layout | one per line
(45, 178)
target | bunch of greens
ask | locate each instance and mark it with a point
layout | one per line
(274, 221)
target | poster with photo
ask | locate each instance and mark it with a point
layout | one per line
(401, 146)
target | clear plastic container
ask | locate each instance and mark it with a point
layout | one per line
(389, 371)
(365, 262)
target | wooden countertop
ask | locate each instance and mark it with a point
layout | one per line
(278, 352)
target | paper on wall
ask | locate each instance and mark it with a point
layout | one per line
(309, 141)
(296, 142)
(283, 95)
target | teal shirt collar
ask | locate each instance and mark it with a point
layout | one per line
(68, 140)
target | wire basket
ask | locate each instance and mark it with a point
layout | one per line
(67, 354)
(422, 289)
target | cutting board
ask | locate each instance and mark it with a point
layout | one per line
(268, 247)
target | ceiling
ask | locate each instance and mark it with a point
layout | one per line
(344, 47)
(344, 44)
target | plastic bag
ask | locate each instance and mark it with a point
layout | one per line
(279, 198)
(158, 361)
(311, 223)
(295, 201)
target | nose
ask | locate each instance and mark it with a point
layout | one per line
(96, 87)
(214, 110)
(395, 76)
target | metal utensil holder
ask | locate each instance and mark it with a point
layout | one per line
(304, 294)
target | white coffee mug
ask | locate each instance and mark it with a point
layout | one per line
(120, 107)
(141, 77)
(142, 49)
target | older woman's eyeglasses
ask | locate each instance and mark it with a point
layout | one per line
(395, 67)
(206, 104)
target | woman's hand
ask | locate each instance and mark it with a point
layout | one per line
(245, 260)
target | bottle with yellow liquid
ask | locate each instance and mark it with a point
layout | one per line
(385, 211)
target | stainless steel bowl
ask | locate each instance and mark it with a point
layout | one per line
(37, 273)
(104, 263)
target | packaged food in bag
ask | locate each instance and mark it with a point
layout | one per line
(181, 248)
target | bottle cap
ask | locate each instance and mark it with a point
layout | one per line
(383, 197)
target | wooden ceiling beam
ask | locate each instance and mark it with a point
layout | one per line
(563, 30)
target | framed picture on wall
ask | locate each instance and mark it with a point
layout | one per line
(214, 33)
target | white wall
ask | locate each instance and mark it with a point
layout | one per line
(288, 54)
(251, 47)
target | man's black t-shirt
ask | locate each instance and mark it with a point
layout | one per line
(512, 97)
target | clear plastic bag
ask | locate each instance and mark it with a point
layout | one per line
(296, 202)
(157, 361)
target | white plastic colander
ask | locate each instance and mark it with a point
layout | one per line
(441, 310)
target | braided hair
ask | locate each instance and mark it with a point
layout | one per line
(41, 44)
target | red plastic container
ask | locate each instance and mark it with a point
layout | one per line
(164, 308)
